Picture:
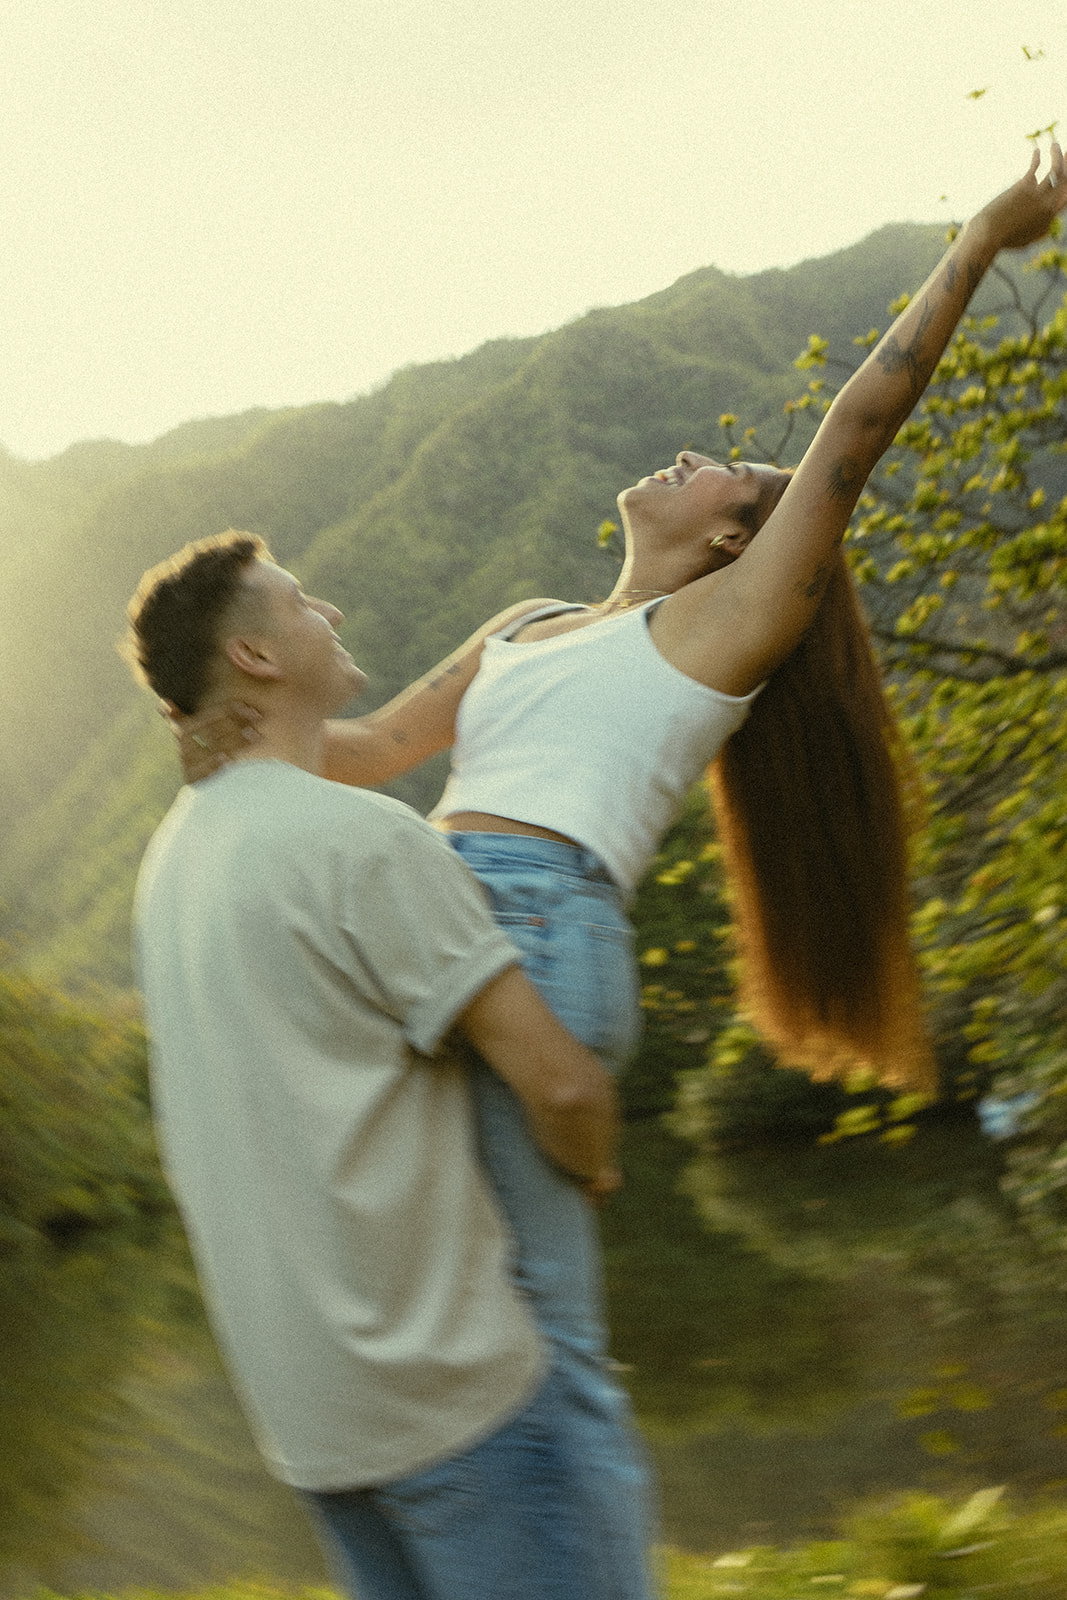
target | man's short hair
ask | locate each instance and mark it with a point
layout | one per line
(177, 612)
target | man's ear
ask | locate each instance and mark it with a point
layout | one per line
(251, 656)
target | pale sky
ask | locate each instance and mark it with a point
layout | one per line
(209, 205)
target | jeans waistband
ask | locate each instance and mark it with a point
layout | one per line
(573, 859)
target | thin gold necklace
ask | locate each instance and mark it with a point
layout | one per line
(630, 597)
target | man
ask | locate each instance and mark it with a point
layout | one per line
(304, 948)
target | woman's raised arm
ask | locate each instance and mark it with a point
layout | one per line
(769, 596)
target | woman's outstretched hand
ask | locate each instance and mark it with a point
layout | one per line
(209, 739)
(1025, 212)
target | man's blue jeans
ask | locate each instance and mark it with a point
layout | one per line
(559, 907)
(501, 1521)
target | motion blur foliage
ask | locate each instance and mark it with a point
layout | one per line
(968, 524)
(83, 1206)
(899, 1549)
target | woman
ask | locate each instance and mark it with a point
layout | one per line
(577, 730)
(806, 793)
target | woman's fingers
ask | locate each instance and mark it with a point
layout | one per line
(1023, 214)
(209, 739)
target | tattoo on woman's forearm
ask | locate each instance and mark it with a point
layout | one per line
(896, 359)
(845, 478)
(449, 672)
(398, 737)
(815, 585)
(974, 276)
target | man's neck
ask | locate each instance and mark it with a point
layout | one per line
(299, 741)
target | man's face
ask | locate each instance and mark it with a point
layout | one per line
(299, 632)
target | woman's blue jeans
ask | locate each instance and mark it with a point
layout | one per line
(565, 916)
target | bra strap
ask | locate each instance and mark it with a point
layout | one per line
(556, 609)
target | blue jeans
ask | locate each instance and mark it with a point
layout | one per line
(499, 1522)
(565, 916)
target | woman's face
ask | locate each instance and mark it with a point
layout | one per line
(698, 495)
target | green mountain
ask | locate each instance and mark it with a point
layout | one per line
(419, 509)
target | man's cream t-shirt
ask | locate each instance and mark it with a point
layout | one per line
(303, 947)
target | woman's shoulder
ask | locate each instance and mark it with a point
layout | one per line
(528, 613)
(527, 608)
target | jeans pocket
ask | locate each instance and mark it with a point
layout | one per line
(585, 971)
(529, 933)
(605, 993)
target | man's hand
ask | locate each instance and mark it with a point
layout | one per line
(568, 1096)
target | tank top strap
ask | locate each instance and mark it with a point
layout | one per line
(557, 609)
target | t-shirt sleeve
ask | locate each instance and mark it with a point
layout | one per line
(421, 931)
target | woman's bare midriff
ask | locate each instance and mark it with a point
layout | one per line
(485, 822)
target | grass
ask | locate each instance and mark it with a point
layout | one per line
(914, 1545)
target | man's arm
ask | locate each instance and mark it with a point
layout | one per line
(568, 1096)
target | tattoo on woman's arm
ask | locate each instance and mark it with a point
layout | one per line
(896, 359)
(815, 585)
(845, 478)
(449, 672)
(952, 276)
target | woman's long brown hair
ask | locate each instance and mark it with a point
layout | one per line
(810, 804)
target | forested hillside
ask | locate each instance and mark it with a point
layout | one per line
(419, 509)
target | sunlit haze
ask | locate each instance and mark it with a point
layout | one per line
(210, 205)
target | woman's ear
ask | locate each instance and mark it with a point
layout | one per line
(729, 542)
(252, 657)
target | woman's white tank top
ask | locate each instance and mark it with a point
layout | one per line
(591, 733)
